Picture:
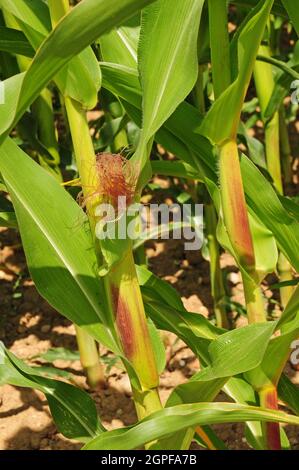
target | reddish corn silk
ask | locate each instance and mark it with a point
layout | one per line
(116, 178)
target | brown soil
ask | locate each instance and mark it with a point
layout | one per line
(29, 326)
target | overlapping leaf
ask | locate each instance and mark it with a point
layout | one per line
(57, 242)
(176, 418)
(59, 48)
(229, 104)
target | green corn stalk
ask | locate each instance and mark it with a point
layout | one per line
(274, 130)
(52, 246)
(217, 285)
(220, 56)
(122, 288)
(231, 186)
(85, 158)
(285, 148)
(234, 205)
(237, 224)
(264, 82)
(42, 108)
(127, 308)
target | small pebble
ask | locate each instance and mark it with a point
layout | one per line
(180, 273)
(35, 441)
(21, 329)
(233, 277)
(44, 442)
(45, 328)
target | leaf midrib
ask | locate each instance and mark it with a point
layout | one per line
(158, 99)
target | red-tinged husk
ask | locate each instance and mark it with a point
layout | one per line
(268, 399)
(237, 225)
(130, 320)
(117, 179)
(234, 205)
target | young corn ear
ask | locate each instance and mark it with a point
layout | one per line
(271, 431)
(104, 179)
(116, 180)
(237, 224)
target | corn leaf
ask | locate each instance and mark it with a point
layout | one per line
(277, 8)
(123, 82)
(59, 48)
(229, 104)
(167, 57)
(260, 195)
(120, 46)
(15, 42)
(289, 393)
(176, 418)
(58, 248)
(73, 410)
(283, 82)
(265, 203)
(34, 15)
(293, 12)
(82, 69)
(275, 358)
(250, 341)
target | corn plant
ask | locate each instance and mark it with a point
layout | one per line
(157, 73)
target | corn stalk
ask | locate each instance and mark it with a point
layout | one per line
(274, 131)
(217, 285)
(85, 158)
(234, 207)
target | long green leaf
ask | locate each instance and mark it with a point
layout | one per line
(237, 351)
(58, 246)
(167, 58)
(293, 12)
(33, 14)
(83, 68)
(289, 393)
(264, 201)
(120, 46)
(15, 42)
(73, 410)
(178, 133)
(277, 8)
(176, 418)
(229, 104)
(261, 197)
(86, 22)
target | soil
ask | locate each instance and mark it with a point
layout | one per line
(29, 327)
